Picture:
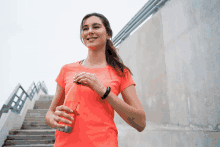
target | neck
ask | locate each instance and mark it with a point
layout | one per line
(96, 57)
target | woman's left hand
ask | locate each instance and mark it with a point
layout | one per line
(91, 81)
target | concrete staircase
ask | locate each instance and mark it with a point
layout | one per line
(34, 131)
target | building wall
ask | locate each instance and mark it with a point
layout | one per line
(175, 61)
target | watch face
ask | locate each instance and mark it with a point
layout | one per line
(107, 92)
(66, 129)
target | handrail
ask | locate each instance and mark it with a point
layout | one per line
(44, 88)
(18, 105)
(148, 9)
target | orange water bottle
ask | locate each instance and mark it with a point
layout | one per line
(72, 100)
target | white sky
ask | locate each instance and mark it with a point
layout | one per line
(38, 37)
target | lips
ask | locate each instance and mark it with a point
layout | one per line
(92, 38)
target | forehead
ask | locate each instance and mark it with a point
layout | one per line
(91, 20)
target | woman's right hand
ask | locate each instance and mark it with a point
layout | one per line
(52, 118)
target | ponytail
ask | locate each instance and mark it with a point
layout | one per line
(114, 60)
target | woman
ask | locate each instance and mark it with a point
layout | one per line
(102, 76)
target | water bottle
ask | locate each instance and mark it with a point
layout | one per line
(72, 100)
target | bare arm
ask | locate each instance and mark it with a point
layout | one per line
(58, 98)
(130, 110)
(52, 115)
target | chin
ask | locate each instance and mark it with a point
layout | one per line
(95, 45)
(92, 47)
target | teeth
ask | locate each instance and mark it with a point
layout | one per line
(91, 38)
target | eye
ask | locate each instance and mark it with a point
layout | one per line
(85, 29)
(96, 27)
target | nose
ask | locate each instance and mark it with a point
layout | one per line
(90, 31)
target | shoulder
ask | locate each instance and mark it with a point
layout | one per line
(71, 66)
(119, 74)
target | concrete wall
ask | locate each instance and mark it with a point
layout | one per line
(175, 59)
(12, 121)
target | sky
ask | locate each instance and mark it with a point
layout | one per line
(38, 37)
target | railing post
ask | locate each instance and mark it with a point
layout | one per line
(18, 107)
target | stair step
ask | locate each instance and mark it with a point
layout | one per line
(42, 104)
(37, 113)
(29, 142)
(36, 123)
(46, 97)
(32, 145)
(34, 119)
(33, 132)
(31, 137)
(34, 127)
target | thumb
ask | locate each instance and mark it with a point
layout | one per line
(54, 124)
(53, 121)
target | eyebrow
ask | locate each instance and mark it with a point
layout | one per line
(92, 24)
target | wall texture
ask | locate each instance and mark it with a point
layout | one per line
(175, 59)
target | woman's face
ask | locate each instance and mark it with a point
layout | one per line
(94, 33)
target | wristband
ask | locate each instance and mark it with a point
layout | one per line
(106, 93)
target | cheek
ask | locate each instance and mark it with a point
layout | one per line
(83, 35)
(103, 36)
(84, 38)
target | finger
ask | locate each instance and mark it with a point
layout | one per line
(83, 80)
(82, 73)
(86, 82)
(77, 79)
(88, 73)
(78, 75)
(54, 122)
(65, 113)
(63, 120)
(57, 108)
(53, 116)
(67, 109)
(58, 125)
(68, 116)
(63, 107)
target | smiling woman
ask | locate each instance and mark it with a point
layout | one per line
(93, 85)
(94, 33)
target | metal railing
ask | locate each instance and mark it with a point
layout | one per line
(16, 103)
(151, 7)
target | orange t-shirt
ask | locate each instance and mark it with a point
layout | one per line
(94, 126)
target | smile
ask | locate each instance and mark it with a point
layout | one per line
(92, 38)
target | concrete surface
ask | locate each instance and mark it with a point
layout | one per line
(175, 59)
(128, 137)
(11, 121)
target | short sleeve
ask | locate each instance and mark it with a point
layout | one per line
(126, 81)
(60, 78)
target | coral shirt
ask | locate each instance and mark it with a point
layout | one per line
(94, 126)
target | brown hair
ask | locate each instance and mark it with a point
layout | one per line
(112, 58)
